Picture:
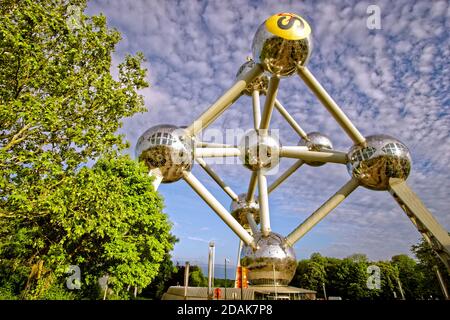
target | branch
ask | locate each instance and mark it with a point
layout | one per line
(16, 138)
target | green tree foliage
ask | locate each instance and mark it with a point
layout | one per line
(175, 277)
(60, 109)
(311, 275)
(410, 275)
(59, 105)
(106, 219)
(428, 261)
(348, 278)
(162, 281)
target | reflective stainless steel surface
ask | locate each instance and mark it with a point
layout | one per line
(166, 147)
(382, 158)
(259, 150)
(261, 83)
(317, 142)
(273, 263)
(240, 208)
(280, 56)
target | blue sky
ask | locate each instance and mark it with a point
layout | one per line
(394, 80)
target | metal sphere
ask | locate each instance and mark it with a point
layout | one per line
(317, 142)
(240, 208)
(259, 150)
(168, 148)
(282, 43)
(273, 263)
(382, 158)
(260, 83)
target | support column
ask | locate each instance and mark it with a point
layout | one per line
(330, 105)
(269, 103)
(422, 218)
(219, 209)
(322, 212)
(224, 101)
(263, 204)
(256, 109)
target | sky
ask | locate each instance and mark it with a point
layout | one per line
(394, 80)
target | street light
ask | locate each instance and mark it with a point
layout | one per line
(226, 260)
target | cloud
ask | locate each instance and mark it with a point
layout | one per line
(392, 81)
(199, 239)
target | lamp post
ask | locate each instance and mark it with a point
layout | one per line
(226, 260)
(211, 270)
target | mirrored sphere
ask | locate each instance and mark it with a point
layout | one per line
(282, 43)
(259, 150)
(273, 263)
(317, 142)
(260, 83)
(382, 158)
(240, 208)
(168, 148)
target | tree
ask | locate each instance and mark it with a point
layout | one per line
(60, 109)
(59, 105)
(161, 282)
(196, 277)
(107, 220)
(389, 281)
(409, 274)
(310, 274)
(429, 287)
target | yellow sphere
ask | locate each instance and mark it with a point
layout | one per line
(282, 43)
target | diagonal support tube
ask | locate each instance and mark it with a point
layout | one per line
(224, 101)
(330, 105)
(252, 222)
(263, 204)
(252, 186)
(200, 189)
(269, 103)
(322, 212)
(285, 175)
(290, 120)
(217, 179)
(303, 153)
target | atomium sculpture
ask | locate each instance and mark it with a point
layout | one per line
(281, 48)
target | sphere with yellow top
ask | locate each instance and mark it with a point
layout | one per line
(282, 43)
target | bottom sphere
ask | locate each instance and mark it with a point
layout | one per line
(273, 263)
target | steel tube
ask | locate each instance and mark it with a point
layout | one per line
(290, 120)
(330, 105)
(321, 156)
(252, 223)
(216, 152)
(235, 226)
(217, 179)
(216, 109)
(285, 175)
(157, 177)
(252, 187)
(322, 212)
(256, 109)
(263, 203)
(269, 103)
(203, 144)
